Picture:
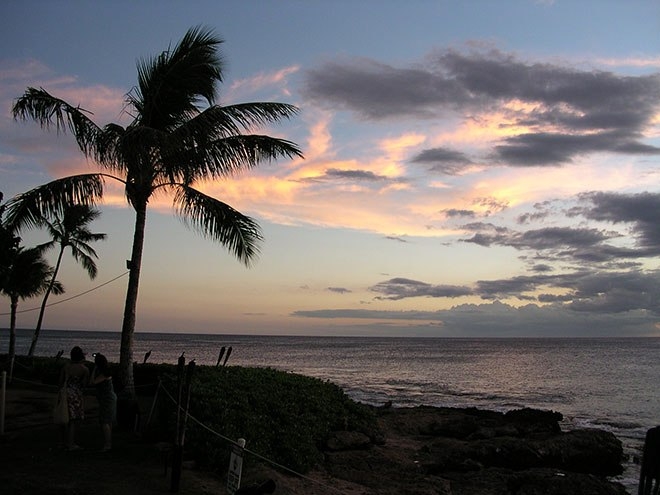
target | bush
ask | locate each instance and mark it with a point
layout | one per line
(283, 416)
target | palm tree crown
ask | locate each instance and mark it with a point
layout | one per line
(29, 275)
(69, 231)
(178, 137)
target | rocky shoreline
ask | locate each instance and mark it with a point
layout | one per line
(448, 451)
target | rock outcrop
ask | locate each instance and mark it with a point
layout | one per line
(427, 450)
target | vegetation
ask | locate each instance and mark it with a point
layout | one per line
(70, 231)
(177, 138)
(284, 417)
(27, 275)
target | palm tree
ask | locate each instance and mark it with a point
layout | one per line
(178, 137)
(69, 231)
(29, 275)
(9, 242)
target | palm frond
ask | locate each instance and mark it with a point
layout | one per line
(30, 208)
(86, 261)
(218, 221)
(49, 111)
(29, 274)
(225, 157)
(109, 147)
(171, 85)
(224, 121)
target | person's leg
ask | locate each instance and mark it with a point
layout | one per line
(107, 436)
(71, 435)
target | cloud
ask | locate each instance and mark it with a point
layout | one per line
(555, 112)
(641, 210)
(498, 320)
(637, 214)
(443, 160)
(339, 290)
(401, 288)
(456, 213)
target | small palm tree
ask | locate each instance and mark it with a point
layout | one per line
(9, 242)
(179, 136)
(70, 231)
(28, 275)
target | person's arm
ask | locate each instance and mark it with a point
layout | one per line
(98, 377)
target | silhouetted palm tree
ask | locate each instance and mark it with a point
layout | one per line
(178, 137)
(69, 231)
(28, 275)
(9, 242)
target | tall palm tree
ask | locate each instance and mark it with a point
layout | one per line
(69, 231)
(178, 137)
(29, 275)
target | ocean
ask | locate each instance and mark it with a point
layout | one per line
(606, 383)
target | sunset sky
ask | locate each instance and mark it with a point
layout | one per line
(472, 168)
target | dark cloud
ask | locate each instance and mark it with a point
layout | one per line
(542, 268)
(396, 238)
(339, 290)
(360, 175)
(401, 288)
(443, 160)
(641, 211)
(572, 244)
(582, 291)
(365, 86)
(557, 149)
(493, 204)
(454, 213)
(589, 111)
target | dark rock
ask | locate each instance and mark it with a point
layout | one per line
(584, 451)
(467, 451)
(534, 422)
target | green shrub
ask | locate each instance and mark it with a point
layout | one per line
(283, 416)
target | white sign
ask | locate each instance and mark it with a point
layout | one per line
(235, 467)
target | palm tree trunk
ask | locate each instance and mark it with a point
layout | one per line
(128, 325)
(12, 327)
(35, 335)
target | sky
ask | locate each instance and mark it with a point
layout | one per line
(471, 168)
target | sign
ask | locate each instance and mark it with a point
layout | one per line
(235, 467)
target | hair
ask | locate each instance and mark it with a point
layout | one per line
(77, 355)
(101, 363)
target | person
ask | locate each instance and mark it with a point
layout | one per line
(74, 376)
(105, 393)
